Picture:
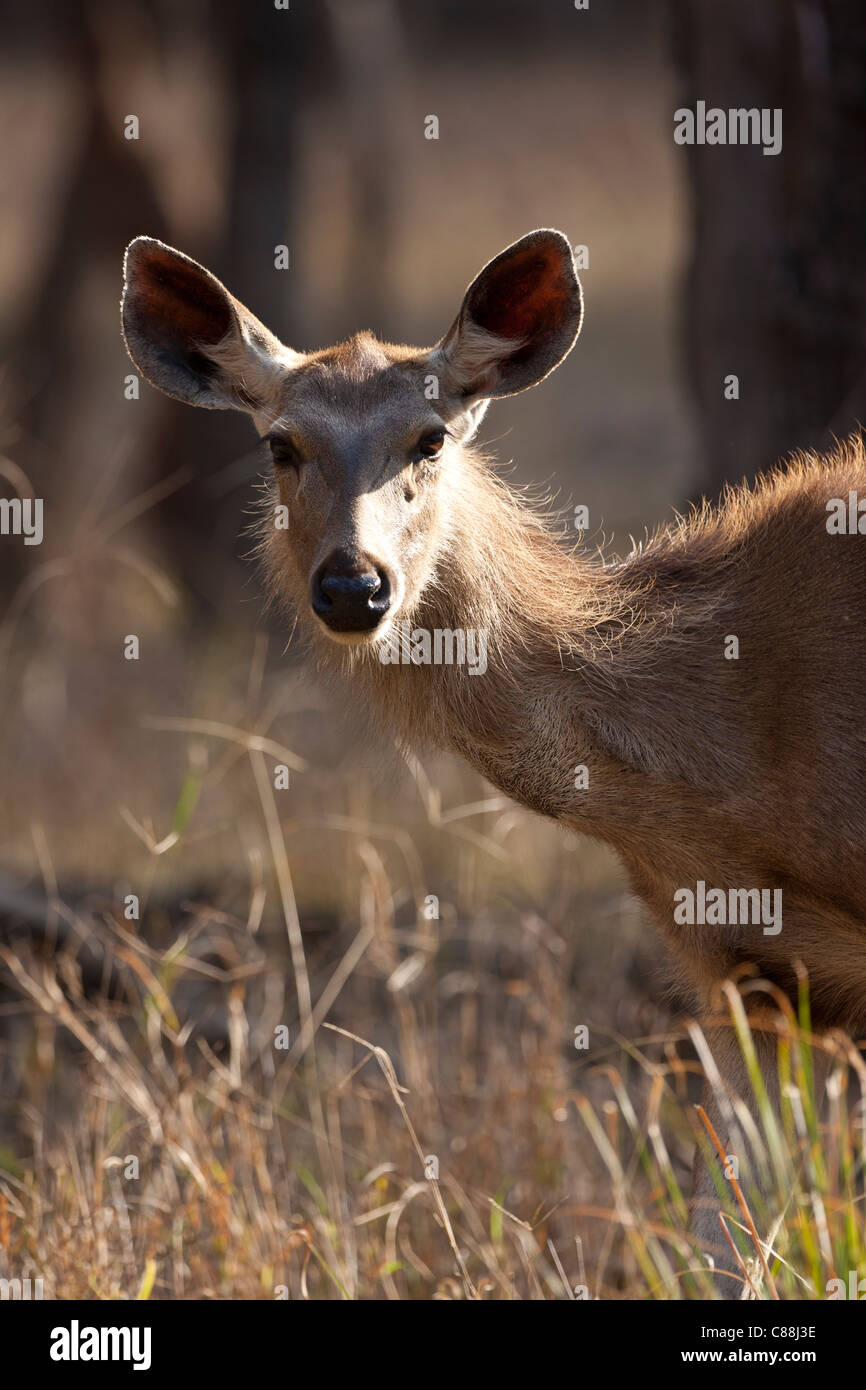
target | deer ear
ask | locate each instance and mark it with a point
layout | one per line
(188, 336)
(519, 318)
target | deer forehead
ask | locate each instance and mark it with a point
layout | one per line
(359, 397)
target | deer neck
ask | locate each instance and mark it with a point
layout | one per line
(535, 627)
(578, 696)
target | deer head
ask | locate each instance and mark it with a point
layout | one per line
(367, 437)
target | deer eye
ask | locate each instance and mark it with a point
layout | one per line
(430, 444)
(283, 451)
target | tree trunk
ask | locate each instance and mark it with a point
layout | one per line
(776, 292)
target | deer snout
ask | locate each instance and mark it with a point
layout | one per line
(350, 595)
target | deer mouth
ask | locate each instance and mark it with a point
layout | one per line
(355, 637)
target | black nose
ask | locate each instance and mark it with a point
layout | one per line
(350, 595)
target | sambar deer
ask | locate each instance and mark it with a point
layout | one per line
(696, 706)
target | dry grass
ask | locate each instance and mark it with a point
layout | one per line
(430, 1131)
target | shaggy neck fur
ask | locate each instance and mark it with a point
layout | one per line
(566, 640)
(740, 773)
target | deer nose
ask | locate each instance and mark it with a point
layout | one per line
(350, 595)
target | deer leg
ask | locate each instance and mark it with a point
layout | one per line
(727, 1093)
(727, 1090)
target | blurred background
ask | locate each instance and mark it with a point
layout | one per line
(304, 126)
